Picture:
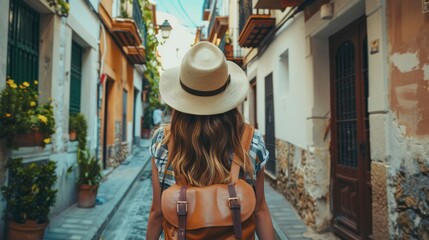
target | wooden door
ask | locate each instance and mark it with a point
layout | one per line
(270, 137)
(107, 95)
(351, 183)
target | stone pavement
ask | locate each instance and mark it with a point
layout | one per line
(287, 224)
(87, 224)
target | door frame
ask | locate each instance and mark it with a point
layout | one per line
(362, 138)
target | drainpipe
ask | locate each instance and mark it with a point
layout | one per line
(100, 92)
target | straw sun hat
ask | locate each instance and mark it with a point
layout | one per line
(205, 83)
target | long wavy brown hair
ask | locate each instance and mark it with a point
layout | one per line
(200, 147)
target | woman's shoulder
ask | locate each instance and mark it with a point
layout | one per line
(257, 139)
(157, 147)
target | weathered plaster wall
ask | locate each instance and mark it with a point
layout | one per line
(303, 177)
(408, 32)
(408, 191)
(407, 185)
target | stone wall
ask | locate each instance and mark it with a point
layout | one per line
(407, 184)
(412, 198)
(303, 178)
(117, 152)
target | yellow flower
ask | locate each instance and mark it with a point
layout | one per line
(8, 115)
(42, 118)
(36, 82)
(32, 104)
(13, 85)
(47, 140)
(10, 82)
(26, 84)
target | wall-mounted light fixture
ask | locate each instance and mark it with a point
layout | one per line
(327, 11)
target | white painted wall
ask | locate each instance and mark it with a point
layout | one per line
(290, 100)
(233, 25)
(83, 21)
(138, 83)
(94, 4)
(84, 25)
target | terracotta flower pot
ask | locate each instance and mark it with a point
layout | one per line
(32, 138)
(86, 195)
(146, 133)
(30, 230)
(72, 135)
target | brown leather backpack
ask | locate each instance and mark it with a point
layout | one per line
(219, 211)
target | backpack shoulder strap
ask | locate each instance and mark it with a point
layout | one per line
(246, 140)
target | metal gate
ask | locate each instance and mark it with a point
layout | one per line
(270, 137)
(23, 42)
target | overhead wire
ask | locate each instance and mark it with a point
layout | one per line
(166, 9)
(182, 12)
(186, 13)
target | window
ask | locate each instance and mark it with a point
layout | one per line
(23, 43)
(75, 78)
(284, 73)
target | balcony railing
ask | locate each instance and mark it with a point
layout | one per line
(231, 54)
(254, 24)
(138, 18)
(214, 14)
(277, 4)
(206, 9)
(128, 30)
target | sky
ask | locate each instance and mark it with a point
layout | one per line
(184, 22)
(189, 12)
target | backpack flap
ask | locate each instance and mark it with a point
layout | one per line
(208, 206)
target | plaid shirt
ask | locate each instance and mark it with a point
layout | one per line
(159, 151)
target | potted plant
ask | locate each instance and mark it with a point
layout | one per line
(89, 178)
(24, 121)
(78, 128)
(29, 195)
(72, 127)
(147, 123)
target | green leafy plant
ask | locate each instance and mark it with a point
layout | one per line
(78, 123)
(62, 7)
(147, 118)
(152, 62)
(20, 113)
(30, 193)
(89, 168)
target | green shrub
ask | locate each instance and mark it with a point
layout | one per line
(89, 168)
(29, 194)
(78, 123)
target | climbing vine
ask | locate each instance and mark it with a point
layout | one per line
(152, 62)
(61, 7)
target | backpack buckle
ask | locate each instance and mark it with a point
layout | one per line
(233, 202)
(179, 207)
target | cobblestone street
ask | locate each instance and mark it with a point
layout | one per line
(130, 220)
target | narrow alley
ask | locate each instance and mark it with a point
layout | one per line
(338, 91)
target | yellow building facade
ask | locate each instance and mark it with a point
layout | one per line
(120, 49)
